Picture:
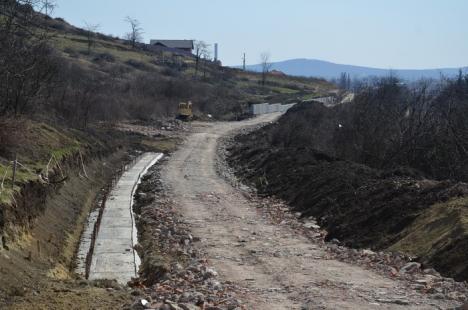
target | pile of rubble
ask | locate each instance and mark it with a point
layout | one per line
(159, 128)
(174, 273)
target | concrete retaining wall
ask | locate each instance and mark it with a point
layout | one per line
(265, 108)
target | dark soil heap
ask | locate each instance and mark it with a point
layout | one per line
(361, 206)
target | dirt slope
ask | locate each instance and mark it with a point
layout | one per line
(360, 206)
(40, 232)
(275, 265)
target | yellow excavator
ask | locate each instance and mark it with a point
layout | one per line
(185, 112)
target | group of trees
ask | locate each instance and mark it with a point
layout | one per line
(27, 62)
(421, 126)
(389, 124)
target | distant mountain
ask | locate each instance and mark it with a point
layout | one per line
(329, 70)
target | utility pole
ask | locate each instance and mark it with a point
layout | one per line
(243, 62)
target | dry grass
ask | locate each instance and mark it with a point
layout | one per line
(433, 229)
(38, 146)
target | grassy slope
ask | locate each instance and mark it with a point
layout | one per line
(40, 147)
(73, 45)
(440, 237)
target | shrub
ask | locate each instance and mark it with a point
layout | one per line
(138, 65)
(104, 57)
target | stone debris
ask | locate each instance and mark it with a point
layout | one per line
(393, 265)
(159, 128)
(175, 273)
(410, 267)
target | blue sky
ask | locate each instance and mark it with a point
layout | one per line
(390, 34)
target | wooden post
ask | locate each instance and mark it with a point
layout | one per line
(38, 248)
(15, 163)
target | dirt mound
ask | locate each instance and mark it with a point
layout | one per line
(359, 205)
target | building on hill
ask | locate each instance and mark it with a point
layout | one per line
(179, 45)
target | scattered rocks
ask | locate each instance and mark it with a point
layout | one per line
(393, 301)
(410, 267)
(368, 252)
(181, 278)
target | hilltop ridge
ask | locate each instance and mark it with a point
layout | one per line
(328, 70)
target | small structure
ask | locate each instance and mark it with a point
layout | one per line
(181, 45)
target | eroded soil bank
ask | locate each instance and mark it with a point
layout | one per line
(37, 267)
(42, 231)
(360, 206)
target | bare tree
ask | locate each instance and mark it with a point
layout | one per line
(91, 35)
(206, 56)
(136, 32)
(27, 62)
(49, 6)
(201, 48)
(266, 66)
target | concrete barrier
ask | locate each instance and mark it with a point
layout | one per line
(265, 108)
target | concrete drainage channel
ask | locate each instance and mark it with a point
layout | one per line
(107, 246)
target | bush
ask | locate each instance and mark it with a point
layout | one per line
(138, 65)
(107, 57)
(71, 52)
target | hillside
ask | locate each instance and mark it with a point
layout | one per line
(161, 79)
(329, 70)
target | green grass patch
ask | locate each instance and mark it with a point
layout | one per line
(283, 90)
(164, 145)
(38, 143)
(433, 229)
(6, 176)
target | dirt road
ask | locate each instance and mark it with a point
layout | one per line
(277, 267)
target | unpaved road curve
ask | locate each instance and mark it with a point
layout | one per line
(243, 246)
